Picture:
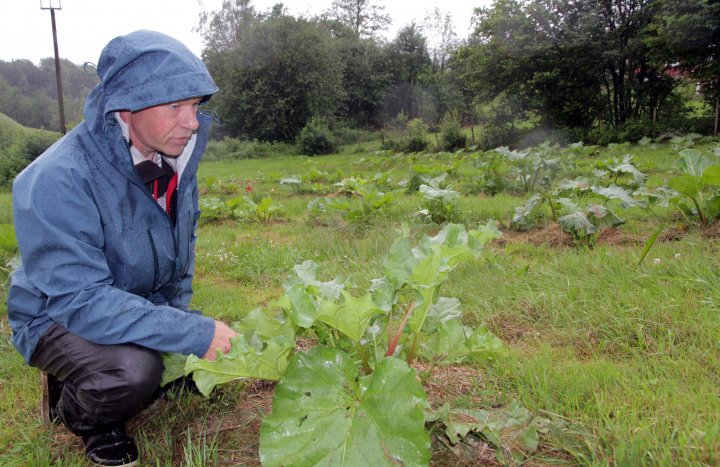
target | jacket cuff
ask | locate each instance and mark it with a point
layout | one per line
(203, 336)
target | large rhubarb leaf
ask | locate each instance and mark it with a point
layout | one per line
(243, 361)
(324, 413)
(304, 307)
(352, 316)
(265, 325)
(445, 309)
(454, 343)
(306, 274)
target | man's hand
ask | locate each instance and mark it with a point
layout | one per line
(220, 340)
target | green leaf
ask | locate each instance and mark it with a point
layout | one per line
(304, 309)
(324, 413)
(712, 208)
(399, 262)
(693, 162)
(577, 223)
(352, 316)
(455, 343)
(629, 168)
(243, 361)
(568, 205)
(438, 193)
(174, 367)
(383, 293)
(524, 215)
(265, 326)
(511, 430)
(306, 274)
(688, 185)
(616, 192)
(602, 217)
(429, 271)
(711, 176)
(425, 298)
(445, 309)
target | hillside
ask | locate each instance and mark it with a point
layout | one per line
(10, 131)
(19, 145)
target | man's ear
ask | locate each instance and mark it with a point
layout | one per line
(125, 115)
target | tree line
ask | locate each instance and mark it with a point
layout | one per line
(627, 67)
(28, 93)
(589, 69)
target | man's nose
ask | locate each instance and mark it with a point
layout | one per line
(189, 119)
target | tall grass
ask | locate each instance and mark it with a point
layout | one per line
(625, 359)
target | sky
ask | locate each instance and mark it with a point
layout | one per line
(85, 26)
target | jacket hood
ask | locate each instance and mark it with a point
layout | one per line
(144, 69)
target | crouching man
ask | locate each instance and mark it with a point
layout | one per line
(105, 221)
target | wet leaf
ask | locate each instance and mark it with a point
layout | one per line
(243, 361)
(324, 413)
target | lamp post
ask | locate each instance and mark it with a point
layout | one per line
(53, 5)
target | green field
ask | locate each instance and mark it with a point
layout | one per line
(620, 357)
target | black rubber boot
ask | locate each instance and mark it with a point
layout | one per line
(111, 447)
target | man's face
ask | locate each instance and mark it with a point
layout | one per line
(165, 128)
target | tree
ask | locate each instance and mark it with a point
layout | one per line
(275, 75)
(686, 33)
(441, 37)
(366, 78)
(408, 61)
(363, 17)
(567, 63)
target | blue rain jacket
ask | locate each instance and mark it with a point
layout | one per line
(99, 256)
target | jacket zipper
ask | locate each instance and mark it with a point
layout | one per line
(156, 262)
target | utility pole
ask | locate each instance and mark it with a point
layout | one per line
(50, 5)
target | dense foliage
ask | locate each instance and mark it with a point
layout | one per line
(597, 71)
(28, 93)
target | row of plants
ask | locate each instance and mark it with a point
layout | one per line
(583, 206)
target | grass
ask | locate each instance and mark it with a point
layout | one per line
(623, 358)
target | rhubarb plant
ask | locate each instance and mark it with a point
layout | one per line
(327, 409)
(698, 187)
(440, 203)
(357, 200)
(533, 168)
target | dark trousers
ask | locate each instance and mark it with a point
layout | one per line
(104, 385)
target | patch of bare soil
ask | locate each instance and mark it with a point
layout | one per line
(509, 328)
(549, 235)
(444, 384)
(239, 428)
(680, 231)
(711, 231)
(553, 236)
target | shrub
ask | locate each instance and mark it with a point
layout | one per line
(26, 149)
(10, 166)
(316, 138)
(417, 136)
(451, 133)
(237, 149)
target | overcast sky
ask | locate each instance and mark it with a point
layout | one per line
(85, 26)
